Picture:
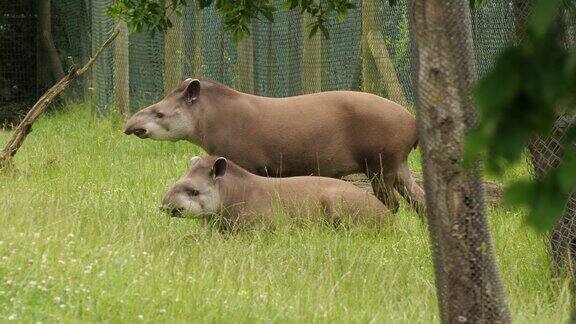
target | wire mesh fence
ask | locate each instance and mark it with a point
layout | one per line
(17, 59)
(369, 51)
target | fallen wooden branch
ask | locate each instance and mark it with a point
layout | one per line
(25, 126)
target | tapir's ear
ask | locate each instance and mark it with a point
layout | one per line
(193, 90)
(219, 168)
(194, 160)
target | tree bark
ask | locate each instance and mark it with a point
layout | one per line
(50, 58)
(49, 66)
(122, 71)
(245, 65)
(199, 30)
(311, 59)
(294, 50)
(386, 68)
(173, 54)
(192, 40)
(370, 80)
(467, 280)
(270, 59)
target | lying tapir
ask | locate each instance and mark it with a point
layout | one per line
(216, 187)
(332, 134)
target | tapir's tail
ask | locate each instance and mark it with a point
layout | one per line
(411, 191)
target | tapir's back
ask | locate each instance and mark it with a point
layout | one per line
(307, 134)
(334, 196)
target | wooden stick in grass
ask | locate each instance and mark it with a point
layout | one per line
(25, 126)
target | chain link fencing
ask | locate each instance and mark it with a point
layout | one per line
(17, 59)
(369, 51)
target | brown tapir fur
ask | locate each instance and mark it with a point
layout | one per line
(331, 134)
(217, 187)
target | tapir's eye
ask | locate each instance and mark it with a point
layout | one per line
(192, 192)
(159, 115)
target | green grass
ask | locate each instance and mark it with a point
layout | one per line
(81, 239)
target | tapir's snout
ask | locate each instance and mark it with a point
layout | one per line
(173, 211)
(132, 127)
(140, 132)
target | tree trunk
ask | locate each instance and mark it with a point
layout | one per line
(467, 280)
(386, 68)
(50, 66)
(271, 90)
(245, 65)
(295, 40)
(377, 68)
(173, 54)
(192, 40)
(223, 53)
(311, 59)
(370, 80)
(122, 71)
(197, 70)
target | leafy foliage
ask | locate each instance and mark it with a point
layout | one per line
(153, 15)
(149, 14)
(521, 97)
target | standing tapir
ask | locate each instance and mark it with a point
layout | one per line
(218, 188)
(331, 134)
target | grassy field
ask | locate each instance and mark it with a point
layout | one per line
(81, 239)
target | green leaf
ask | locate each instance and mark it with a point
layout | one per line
(324, 31)
(518, 193)
(546, 209)
(569, 4)
(269, 14)
(499, 86)
(546, 212)
(350, 5)
(341, 16)
(294, 4)
(290, 4)
(392, 2)
(542, 15)
(569, 136)
(567, 173)
(545, 204)
(475, 143)
(237, 35)
(313, 31)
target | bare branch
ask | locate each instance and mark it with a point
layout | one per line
(25, 126)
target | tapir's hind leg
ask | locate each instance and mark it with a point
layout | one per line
(383, 182)
(409, 189)
(383, 186)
